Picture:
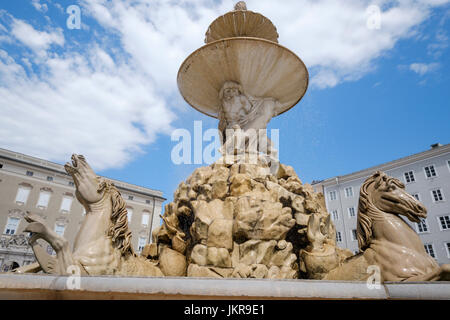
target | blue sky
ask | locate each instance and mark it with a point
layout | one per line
(108, 90)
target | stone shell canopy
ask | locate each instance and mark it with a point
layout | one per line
(241, 23)
(263, 68)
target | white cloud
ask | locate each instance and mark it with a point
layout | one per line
(84, 104)
(157, 34)
(41, 7)
(440, 41)
(331, 36)
(58, 6)
(38, 41)
(325, 78)
(423, 68)
(108, 101)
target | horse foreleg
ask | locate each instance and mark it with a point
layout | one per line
(48, 263)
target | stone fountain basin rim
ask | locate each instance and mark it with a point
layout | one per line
(300, 64)
(106, 286)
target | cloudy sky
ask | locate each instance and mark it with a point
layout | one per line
(379, 90)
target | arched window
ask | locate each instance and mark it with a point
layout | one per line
(10, 266)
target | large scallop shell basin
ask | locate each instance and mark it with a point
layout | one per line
(263, 68)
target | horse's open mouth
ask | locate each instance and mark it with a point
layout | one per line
(413, 210)
(415, 216)
(71, 168)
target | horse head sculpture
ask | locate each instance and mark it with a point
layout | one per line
(96, 193)
(89, 187)
(381, 195)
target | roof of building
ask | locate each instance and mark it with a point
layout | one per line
(58, 168)
(436, 149)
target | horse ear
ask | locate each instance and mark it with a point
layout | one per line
(379, 177)
(101, 185)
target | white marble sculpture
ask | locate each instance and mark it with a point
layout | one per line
(103, 243)
(243, 123)
(385, 240)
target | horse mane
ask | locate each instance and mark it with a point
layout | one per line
(119, 232)
(364, 222)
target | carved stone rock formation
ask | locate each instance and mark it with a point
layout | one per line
(240, 221)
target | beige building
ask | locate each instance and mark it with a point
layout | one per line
(43, 187)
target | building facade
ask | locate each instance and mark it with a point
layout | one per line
(43, 187)
(426, 176)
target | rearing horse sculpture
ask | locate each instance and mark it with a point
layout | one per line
(384, 238)
(103, 244)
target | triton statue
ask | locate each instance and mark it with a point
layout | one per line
(238, 108)
(241, 114)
